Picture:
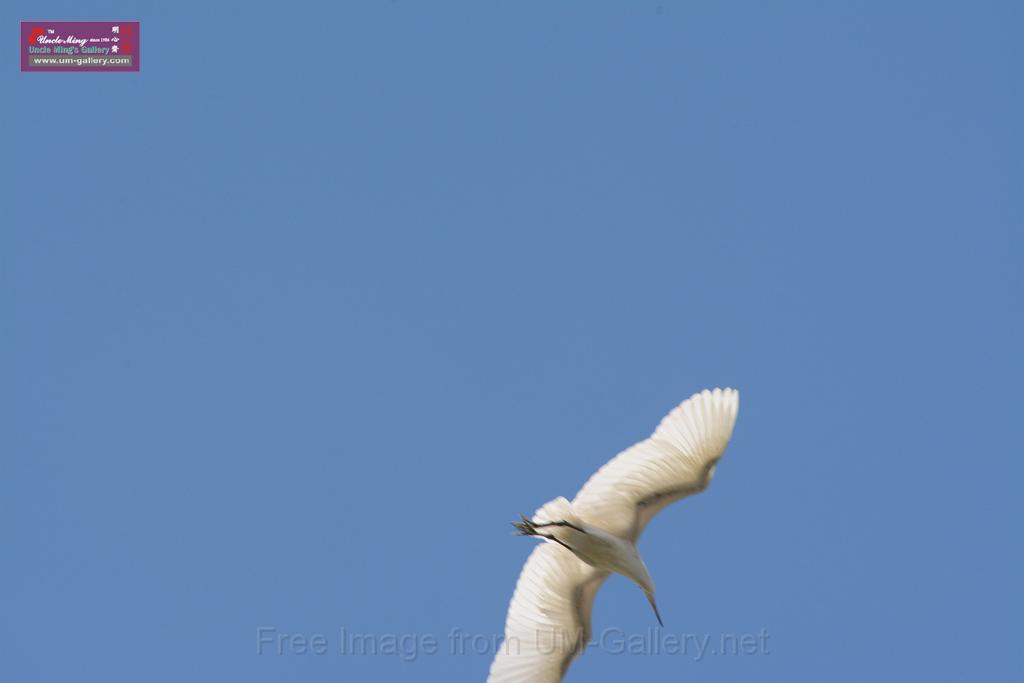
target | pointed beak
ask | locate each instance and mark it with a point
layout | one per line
(650, 599)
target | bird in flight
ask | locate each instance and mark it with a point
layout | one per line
(587, 539)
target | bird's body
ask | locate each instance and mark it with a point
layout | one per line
(596, 535)
(604, 551)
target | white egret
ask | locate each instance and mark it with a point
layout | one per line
(548, 620)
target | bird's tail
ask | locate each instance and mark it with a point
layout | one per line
(557, 510)
(556, 513)
(556, 521)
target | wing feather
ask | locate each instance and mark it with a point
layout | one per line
(548, 620)
(676, 461)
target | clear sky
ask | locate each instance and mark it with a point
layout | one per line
(300, 317)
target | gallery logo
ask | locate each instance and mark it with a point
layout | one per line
(80, 46)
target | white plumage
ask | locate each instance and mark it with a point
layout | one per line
(549, 617)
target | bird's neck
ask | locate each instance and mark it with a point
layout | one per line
(635, 570)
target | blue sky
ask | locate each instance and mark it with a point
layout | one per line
(298, 318)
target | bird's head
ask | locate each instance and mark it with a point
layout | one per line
(636, 570)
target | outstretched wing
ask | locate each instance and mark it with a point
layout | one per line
(676, 461)
(548, 620)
